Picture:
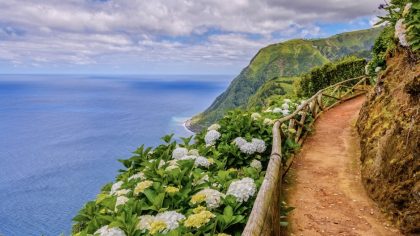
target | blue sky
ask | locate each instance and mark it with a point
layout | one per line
(160, 36)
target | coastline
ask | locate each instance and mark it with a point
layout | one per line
(187, 126)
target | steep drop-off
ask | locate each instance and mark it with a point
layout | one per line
(389, 128)
(287, 59)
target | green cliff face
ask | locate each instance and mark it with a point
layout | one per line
(283, 61)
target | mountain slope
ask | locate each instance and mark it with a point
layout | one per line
(286, 59)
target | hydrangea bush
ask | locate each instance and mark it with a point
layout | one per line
(205, 187)
(402, 28)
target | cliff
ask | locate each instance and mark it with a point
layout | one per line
(285, 61)
(389, 127)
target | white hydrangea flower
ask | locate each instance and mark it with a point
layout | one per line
(173, 164)
(248, 148)
(193, 152)
(256, 164)
(211, 137)
(285, 112)
(239, 141)
(107, 231)
(122, 192)
(242, 189)
(277, 110)
(407, 9)
(121, 200)
(268, 110)
(216, 185)
(202, 161)
(213, 127)
(285, 106)
(255, 116)
(145, 222)
(179, 152)
(161, 163)
(400, 32)
(139, 175)
(188, 157)
(256, 145)
(377, 69)
(171, 218)
(202, 180)
(115, 187)
(259, 145)
(268, 121)
(213, 197)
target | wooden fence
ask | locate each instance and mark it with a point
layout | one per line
(265, 215)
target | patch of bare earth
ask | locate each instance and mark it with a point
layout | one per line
(326, 186)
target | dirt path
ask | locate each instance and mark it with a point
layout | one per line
(326, 186)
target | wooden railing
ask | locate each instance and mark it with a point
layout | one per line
(265, 215)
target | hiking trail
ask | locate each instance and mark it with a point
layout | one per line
(325, 183)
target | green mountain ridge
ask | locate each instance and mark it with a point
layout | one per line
(284, 61)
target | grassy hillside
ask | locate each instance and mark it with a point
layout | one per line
(276, 87)
(286, 59)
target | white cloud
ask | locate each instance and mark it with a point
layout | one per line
(211, 31)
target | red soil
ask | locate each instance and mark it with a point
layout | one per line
(326, 186)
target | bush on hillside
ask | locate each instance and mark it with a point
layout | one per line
(182, 188)
(329, 74)
(383, 45)
(403, 16)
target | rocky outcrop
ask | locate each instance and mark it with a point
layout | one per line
(389, 127)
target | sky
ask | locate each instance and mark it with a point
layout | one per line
(162, 36)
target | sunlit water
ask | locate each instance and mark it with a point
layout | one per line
(61, 136)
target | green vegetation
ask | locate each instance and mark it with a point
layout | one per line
(403, 16)
(207, 187)
(403, 28)
(276, 87)
(382, 47)
(329, 74)
(181, 188)
(289, 59)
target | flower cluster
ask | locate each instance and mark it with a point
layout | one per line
(256, 116)
(121, 200)
(178, 191)
(109, 231)
(214, 127)
(256, 145)
(140, 187)
(136, 176)
(211, 137)
(199, 218)
(210, 196)
(184, 154)
(256, 164)
(242, 189)
(401, 32)
(115, 187)
(161, 223)
(285, 108)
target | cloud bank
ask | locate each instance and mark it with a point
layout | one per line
(179, 36)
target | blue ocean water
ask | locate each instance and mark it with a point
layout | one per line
(61, 136)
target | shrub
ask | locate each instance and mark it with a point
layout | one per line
(184, 188)
(329, 74)
(403, 16)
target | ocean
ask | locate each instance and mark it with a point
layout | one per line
(61, 136)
